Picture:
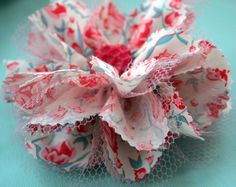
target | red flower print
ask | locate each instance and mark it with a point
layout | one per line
(223, 74)
(24, 96)
(212, 75)
(206, 46)
(172, 19)
(73, 66)
(150, 159)
(224, 97)
(28, 146)
(140, 173)
(112, 19)
(14, 78)
(165, 54)
(140, 33)
(118, 162)
(93, 36)
(134, 13)
(56, 10)
(33, 128)
(178, 102)
(118, 56)
(50, 93)
(194, 103)
(166, 104)
(215, 109)
(47, 78)
(88, 82)
(70, 33)
(192, 48)
(77, 47)
(12, 65)
(60, 154)
(81, 128)
(111, 137)
(59, 113)
(217, 74)
(177, 4)
(42, 68)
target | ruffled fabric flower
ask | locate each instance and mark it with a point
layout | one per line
(126, 85)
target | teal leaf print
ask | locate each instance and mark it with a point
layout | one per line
(44, 20)
(158, 12)
(182, 119)
(79, 36)
(182, 40)
(61, 29)
(165, 39)
(76, 10)
(83, 140)
(136, 164)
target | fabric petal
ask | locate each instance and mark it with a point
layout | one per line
(205, 94)
(125, 161)
(126, 83)
(179, 119)
(154, 16)
(50, 49)
(66, 20)
(191, 61)
(135, 118)
(206, 90)
(68, 149)
(164, 44)
(59, 97)
(105, 26)
(177, 53)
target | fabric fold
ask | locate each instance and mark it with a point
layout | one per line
(135, 118)
(126, 161)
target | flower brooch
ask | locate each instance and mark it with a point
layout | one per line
(126, 86)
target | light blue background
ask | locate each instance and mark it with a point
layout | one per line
(216, 20)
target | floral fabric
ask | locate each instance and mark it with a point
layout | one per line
(173, 84)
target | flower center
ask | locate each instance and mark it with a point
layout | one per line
(118, 56)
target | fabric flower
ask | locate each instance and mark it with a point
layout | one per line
(126, 81)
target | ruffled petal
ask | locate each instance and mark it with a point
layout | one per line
(129, 80)
(105, 26)
(49, 49)
(59, 97)
(154, 16)
(124, 161)
(179, 119)
(135, 118)
(206, 90)
(66, 20)
(164, 44)
(69, 148)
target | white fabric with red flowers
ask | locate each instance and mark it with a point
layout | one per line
(133, 78)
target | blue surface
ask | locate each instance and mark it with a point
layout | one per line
(215, 18)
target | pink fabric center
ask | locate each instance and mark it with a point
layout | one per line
(118, 56)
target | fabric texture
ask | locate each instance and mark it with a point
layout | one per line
(125, 85)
